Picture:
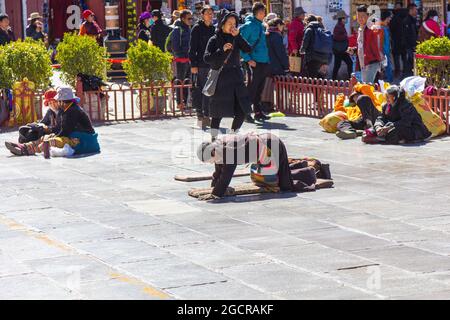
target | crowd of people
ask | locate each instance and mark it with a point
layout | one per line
(380, 49)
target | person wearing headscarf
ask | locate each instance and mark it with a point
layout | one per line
(75, 130)
(430, 27)
(399, 122)
(143, 31)
(35, 29)
(90, 27)
(231, 98)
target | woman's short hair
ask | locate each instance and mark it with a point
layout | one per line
(310, 18)
(275, 22)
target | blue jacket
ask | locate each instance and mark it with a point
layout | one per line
(251, 31)
(180, 40)
(88, 142)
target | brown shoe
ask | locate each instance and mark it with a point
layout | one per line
(16, 148)
(46, 149)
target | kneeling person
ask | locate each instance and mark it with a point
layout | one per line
(268, 156)
(75, 130)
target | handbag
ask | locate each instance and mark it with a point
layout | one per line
(213, 77)
(295, 64)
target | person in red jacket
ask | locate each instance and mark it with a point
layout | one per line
(296, 31)
(368, 49)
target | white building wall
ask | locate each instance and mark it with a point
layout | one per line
(320, 8)
(2, 6)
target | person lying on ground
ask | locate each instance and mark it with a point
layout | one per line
(50, 123)
(76, 130)
(398, 123)
(269, 163)
(369, 113)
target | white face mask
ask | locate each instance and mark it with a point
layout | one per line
(436, 19)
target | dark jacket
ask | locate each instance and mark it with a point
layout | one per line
(230, 85)
(279, 60)
(6, 36)
(200, 35)
(32, 33)
(180, 40)
(52, 120)
(405, 118)
(340, 38)
(410, 32)
(159, 33)
(249, 148)
(74, 119)
(396, 28)
(143, 33)
(308, 44)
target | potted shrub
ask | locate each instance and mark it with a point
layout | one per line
(147, 65)
(26, 67)
(435, 70)
(82, 55)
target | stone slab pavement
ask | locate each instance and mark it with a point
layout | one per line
(117, 226)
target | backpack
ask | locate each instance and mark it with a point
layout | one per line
(169, 45)
(323, 41)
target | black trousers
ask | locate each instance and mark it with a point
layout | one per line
(398, 66)
(238, 120)
(183, 72)
(199, 101)
(338, 58)
(256, 84)
(409, 65)
(369, 114)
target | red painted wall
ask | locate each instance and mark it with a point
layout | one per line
(14, 11)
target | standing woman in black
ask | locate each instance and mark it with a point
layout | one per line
(143, 30)
(231, 98)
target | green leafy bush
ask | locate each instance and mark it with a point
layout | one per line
(25, 59)
(147, 63)
(81, 54)
(5, 71)
(436, 71)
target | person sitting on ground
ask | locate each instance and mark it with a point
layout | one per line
(398, 123)
(50, 123)
(76, 130)
(369, 113)
(269, 163)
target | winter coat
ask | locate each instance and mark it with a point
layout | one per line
(371, 47)
(159, 33)
(409, 32)
(308, 44)
(200, 35)
(405, 118)
(340, 36)
(429, 29)
(144, 33)
(32, 33)
(180, 40)
(230, 88)
(253, 32)
(279, 61)
(296, 32)
(396, 28)
(6, 36)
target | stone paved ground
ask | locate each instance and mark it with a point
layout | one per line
(116, 225)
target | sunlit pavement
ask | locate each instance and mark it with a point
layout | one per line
(117, 226)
